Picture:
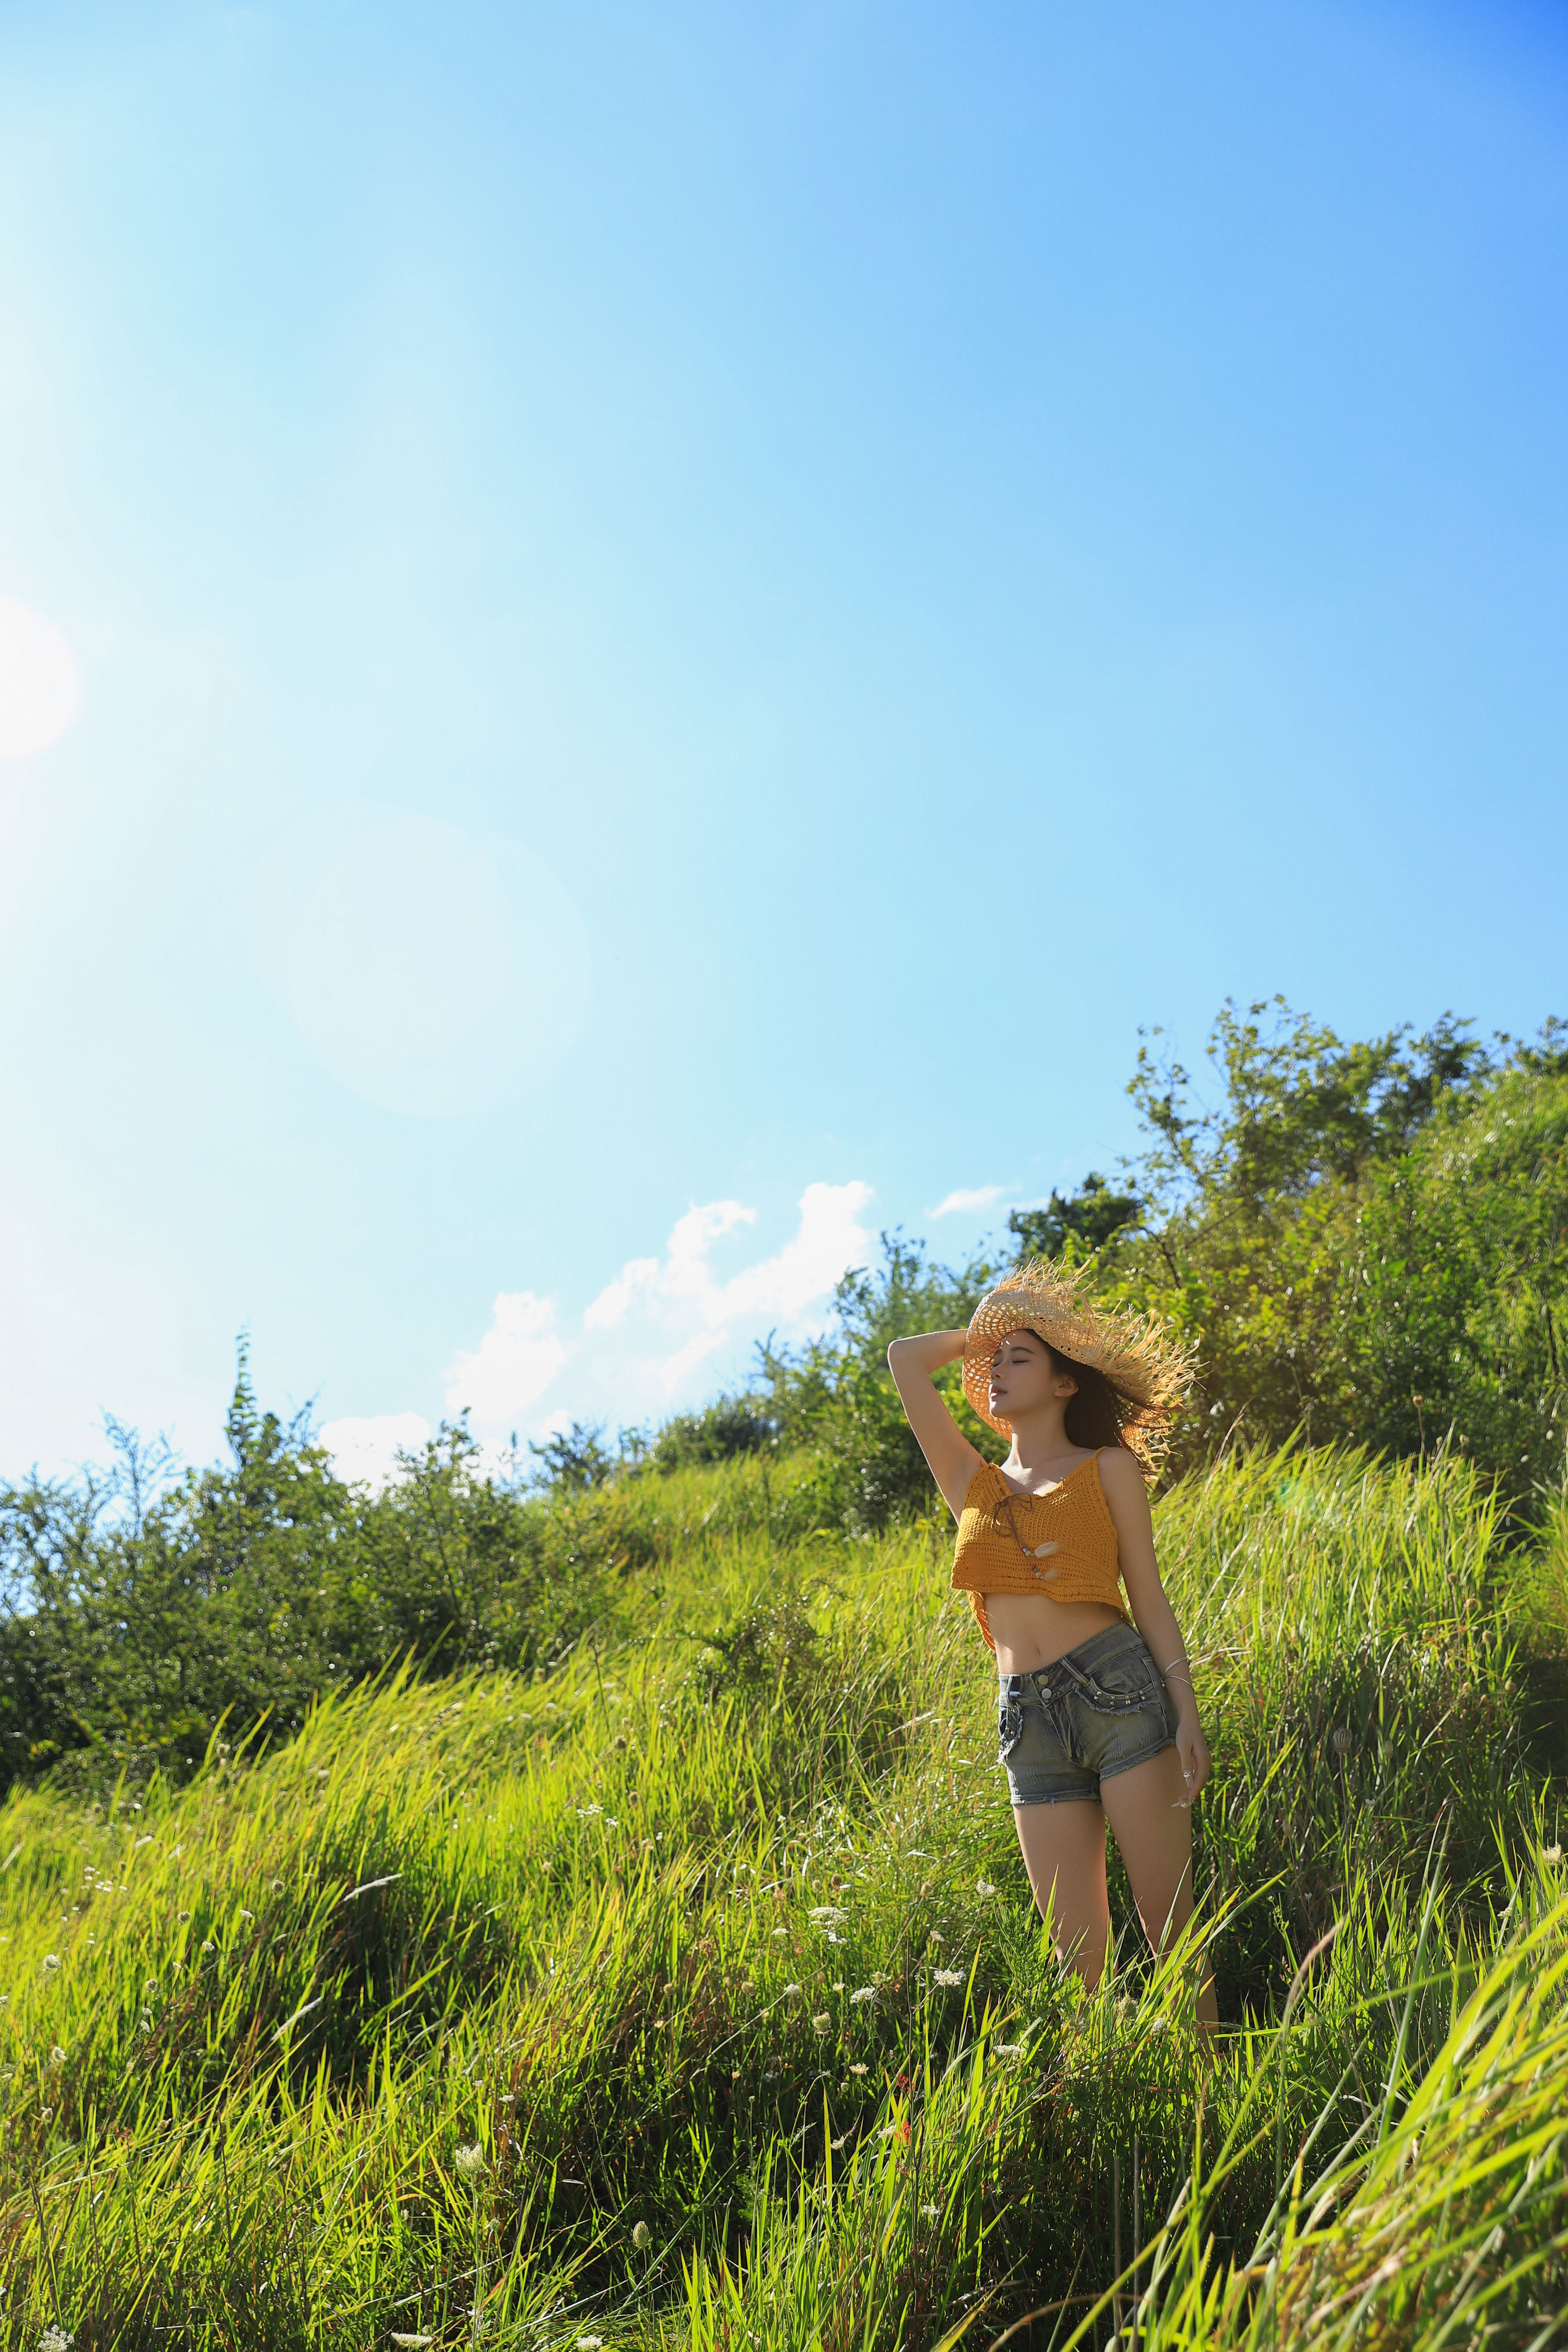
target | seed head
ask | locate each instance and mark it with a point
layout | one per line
(642, 2237)
(1340, 1741)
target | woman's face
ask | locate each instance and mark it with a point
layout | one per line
(1024, 1378)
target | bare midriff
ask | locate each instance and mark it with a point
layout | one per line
(1030, 1631)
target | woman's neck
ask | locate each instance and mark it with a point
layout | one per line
(1040, 1444)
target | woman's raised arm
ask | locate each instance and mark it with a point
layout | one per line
(951, 1458)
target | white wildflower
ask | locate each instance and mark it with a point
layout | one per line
(821, 2022)
(470, 2161)
(51, 1960)
(833, 1911)
(589, 2343)
(585, 1813)
(983, 1888)
(780, 1931)
(398, 2338)
(947, 1976)
(792, 1988)
(1007, 2049)
(856, 2070)
(56, 2057)
(1552, 1854)
(865, 1992)
(930, 2211)
(936, 1941)
(55, 2339)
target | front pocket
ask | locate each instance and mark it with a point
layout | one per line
(1121, 1687)
(1009, 1728)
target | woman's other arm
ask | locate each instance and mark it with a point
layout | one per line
(951, 1458)
(1127, 1498)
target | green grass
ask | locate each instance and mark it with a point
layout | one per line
(692, 1998)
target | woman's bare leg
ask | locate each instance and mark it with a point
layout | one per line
(1153, 1829)
(1064, 1852)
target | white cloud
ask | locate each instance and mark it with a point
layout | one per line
(643, 1282)
(40, 685)
(512, 1366)
(365, 1448)
(831, 1239)
(644, 1340)
(981, 1197)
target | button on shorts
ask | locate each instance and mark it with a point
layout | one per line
(1063, 1728)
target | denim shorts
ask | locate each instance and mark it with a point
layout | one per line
(1063, 1728)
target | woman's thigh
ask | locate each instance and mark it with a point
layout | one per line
(1064, 1854)
(1154, 1830)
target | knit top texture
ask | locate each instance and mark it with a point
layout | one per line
(1062, 1544)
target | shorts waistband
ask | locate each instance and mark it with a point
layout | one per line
(1084, 1658)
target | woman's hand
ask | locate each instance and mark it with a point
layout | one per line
(1193, 1753)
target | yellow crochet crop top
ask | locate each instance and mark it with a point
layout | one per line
(1062, 1544)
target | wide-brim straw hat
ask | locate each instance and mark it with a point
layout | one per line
(1149, 1367)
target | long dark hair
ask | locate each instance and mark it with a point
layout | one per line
(1099, 1411)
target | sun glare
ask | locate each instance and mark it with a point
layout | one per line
(41, 684)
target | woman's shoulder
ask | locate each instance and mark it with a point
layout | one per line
(1119, 1471)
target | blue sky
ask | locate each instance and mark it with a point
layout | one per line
(634, 639)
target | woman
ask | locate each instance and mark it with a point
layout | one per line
(1097, 1715)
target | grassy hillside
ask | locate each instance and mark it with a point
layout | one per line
(689, 1995)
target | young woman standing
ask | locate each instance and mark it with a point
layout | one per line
(1096, 1715)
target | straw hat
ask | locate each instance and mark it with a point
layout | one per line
(1151, 1368)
